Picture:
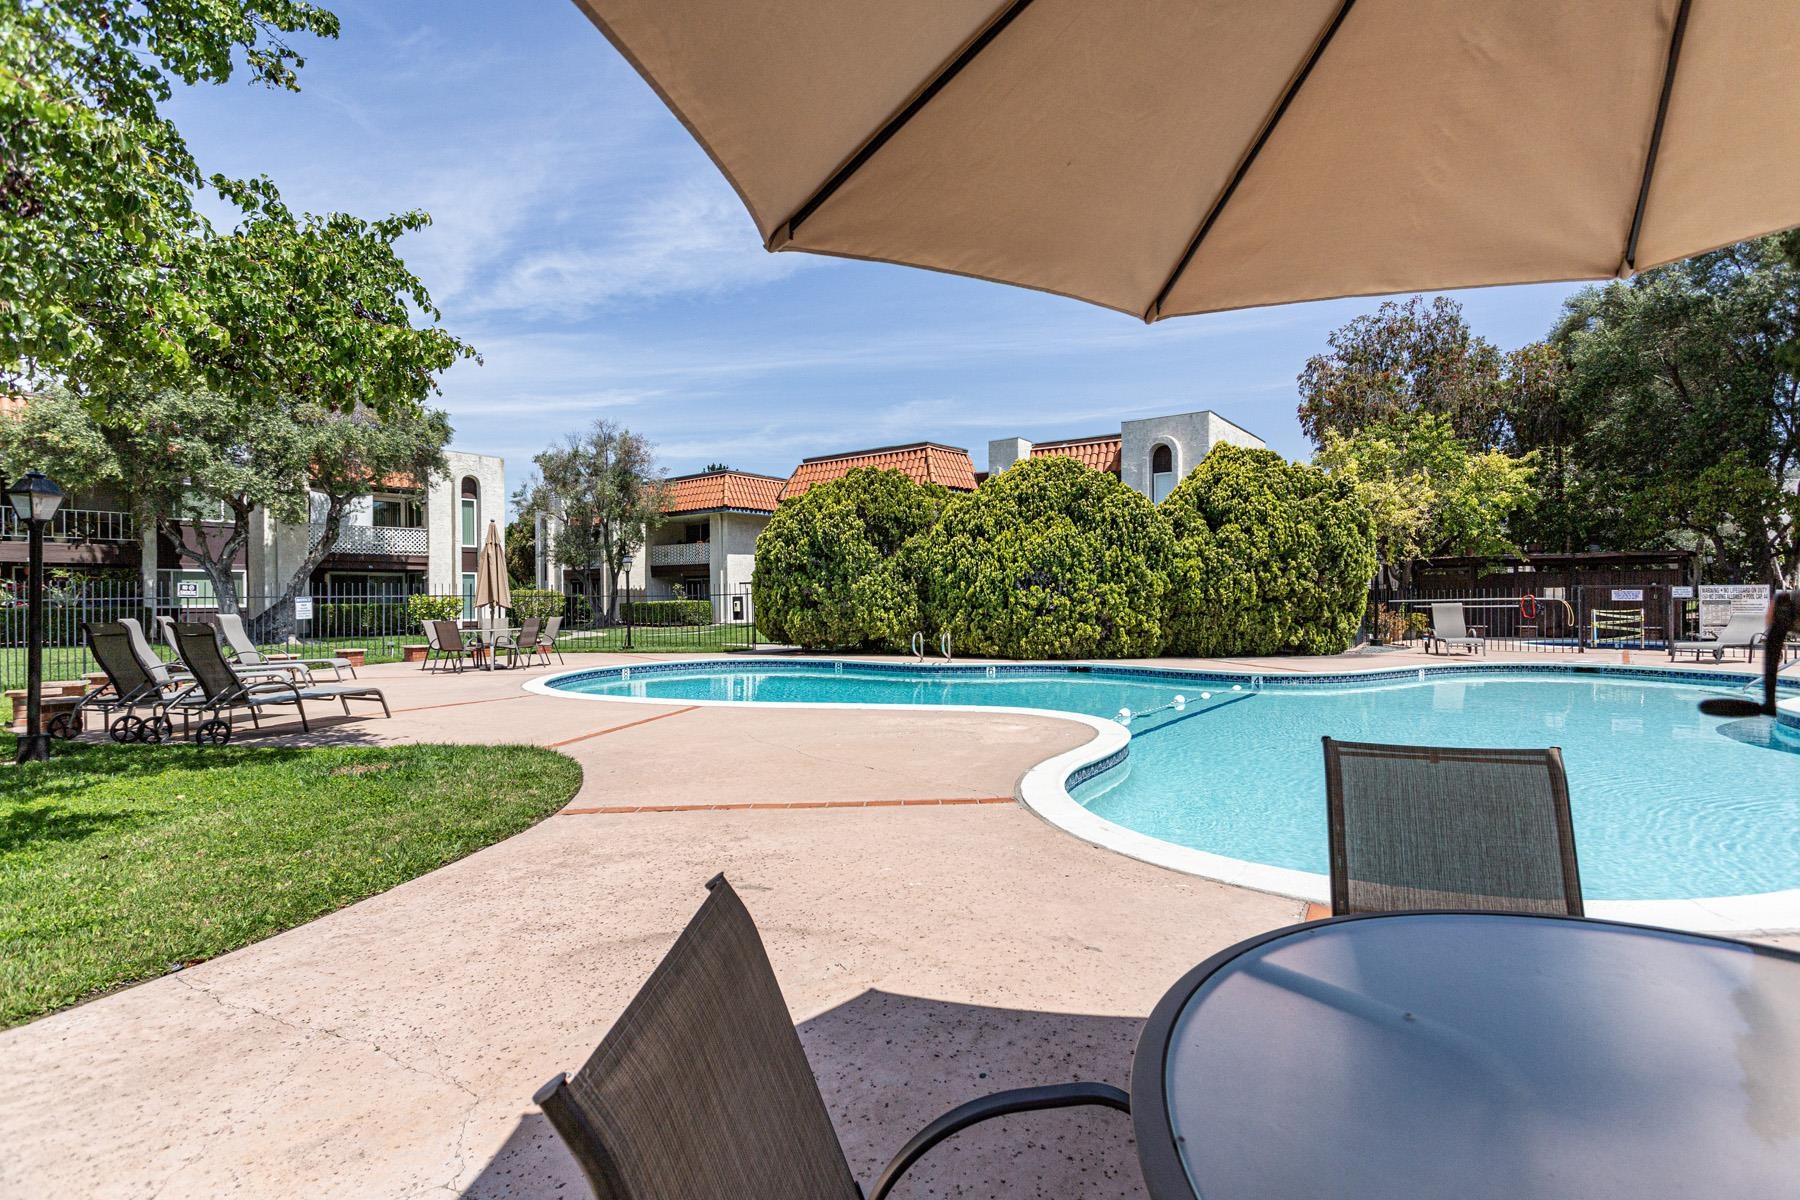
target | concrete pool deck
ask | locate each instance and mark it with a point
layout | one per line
(930, 951)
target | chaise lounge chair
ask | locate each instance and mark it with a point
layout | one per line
(1423, 827)
(220, 689)
(702, 1091)
(129, 689)
(1744, 631)
(1448, 629)
(231, 626)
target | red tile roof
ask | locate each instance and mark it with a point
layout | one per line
(923, 462)
(714, 490)
(1100, 453)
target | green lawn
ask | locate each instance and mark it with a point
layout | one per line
(118, 863)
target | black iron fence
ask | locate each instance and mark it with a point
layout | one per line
(1569, 619)
(382, 627)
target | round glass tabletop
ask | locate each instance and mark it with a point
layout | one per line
(1475, 1057)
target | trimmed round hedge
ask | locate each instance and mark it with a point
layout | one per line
(1270, 557)
(1048, 559)
(827, 563)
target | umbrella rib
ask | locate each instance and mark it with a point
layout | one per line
(1656, 132)
(787, 229)
(1249, 159)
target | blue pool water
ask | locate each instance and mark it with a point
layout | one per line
(1668, 803)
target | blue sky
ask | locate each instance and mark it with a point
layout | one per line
(587, 247)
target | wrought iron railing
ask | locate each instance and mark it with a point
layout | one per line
(73, 525)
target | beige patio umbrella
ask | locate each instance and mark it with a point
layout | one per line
(493, 591)
(1163, 157)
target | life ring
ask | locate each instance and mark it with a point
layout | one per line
(1528, 606)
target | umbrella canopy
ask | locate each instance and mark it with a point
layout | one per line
(492, 589)
(1163, 157)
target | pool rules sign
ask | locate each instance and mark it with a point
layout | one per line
(1718, 601)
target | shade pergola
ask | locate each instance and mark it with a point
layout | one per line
(1163, 157)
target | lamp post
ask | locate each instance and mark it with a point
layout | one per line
(35, 498)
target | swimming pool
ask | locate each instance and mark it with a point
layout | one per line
(1669, 804)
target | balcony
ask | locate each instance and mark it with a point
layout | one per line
(376, 539)
(681, 554)
(73, 525)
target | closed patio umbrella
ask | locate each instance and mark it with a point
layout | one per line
(1162, 157)
(492, 589)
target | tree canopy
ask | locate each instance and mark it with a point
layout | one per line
(605, 495)
(1427, 493)
(109, 276)
(829, 564)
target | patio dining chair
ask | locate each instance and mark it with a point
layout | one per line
(524, 641)
(701, 1090)
(451, 649)
(546, 642)
(1427, 827)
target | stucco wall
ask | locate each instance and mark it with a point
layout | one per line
(1188, 435)
(443, 572)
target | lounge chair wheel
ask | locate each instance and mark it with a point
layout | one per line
(151, 731)
(62, 726)
(126, 729)
(165, 729)
(215, 732)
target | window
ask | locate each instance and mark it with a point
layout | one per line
(396, 510)
(696, 531)
(471, 521)
(197, 506)
(468, 589)
(1162, 472)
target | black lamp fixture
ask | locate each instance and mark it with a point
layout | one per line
(35, 499)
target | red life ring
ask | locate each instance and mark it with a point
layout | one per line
(1528, 606)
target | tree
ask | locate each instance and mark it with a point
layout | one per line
(829, 570)
(521, 550)
(96, 184)
(1689, 393)
(1048, 559)
(197, 466)
(714, 468)
(606, 496)
(1270, 557)
(1427, 493)
(1409, 357)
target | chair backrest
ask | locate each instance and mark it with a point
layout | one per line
(1743, 629)
(449, 637)
(1428, 827)
(165, 625)
(431, 634)
(528, 630)
(231, 627)
(701, 1089)
(198, 646)
(551, 629)
(1447, 620)
(110, 643)
(142, 650)
(487, 619)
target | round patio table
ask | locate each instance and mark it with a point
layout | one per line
(1474, 1056)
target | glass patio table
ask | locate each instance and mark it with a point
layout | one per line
(1474, 1056)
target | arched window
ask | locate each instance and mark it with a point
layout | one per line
(471, 513)
(1162, 472)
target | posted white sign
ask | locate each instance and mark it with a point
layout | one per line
(1720, 601)
(303, 608)
(1635, 594)
(1681, 591)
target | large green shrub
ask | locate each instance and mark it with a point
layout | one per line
(666, 612)
(1271, 557)
(434, 608)
(536, 602)
(1048, 559)
(827, 564)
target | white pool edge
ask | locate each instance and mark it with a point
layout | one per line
(1044, 789)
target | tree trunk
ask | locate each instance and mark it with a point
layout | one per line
(277, 622)
(216, 563)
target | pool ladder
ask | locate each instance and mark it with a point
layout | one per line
(918, 644)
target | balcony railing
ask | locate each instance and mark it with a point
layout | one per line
(681, 554)
(73, 525)
(376, 539)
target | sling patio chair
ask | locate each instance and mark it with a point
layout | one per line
(245, 651)
(135, 699)
(1448, 629)
(1744, 631)
(452, 651)
(525, 640)
(431, 644)
(546, 642)
(1424, 827)
(219, 689)
(702, 1091)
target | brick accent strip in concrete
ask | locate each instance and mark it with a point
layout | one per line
(641, 808)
